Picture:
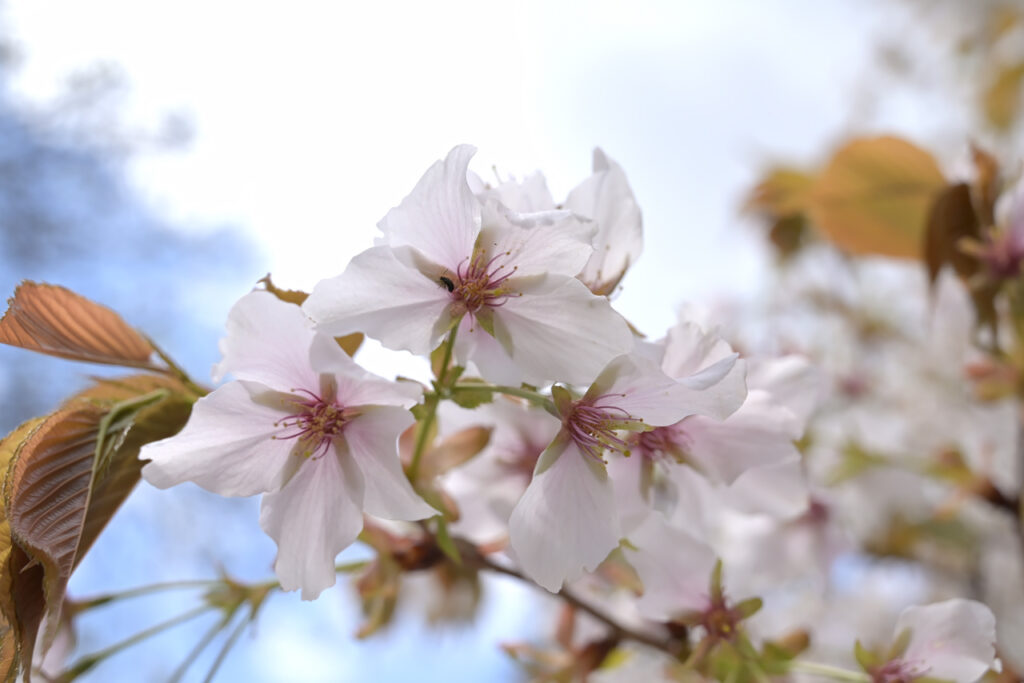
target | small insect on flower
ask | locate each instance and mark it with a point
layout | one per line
(447, 283)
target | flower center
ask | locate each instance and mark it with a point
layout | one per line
(662, 444)
(521, 462)
(594, 425)
(315, 423)
(899, 671)
(481, 282)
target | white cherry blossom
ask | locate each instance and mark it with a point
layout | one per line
(505, 281)
(951, 641)
(305, 426)
(567, 520)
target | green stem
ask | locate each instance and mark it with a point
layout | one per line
(829, 671)
(89, 661)
(176, 370)
(228, 644)
(528, 394)
(431, 404)
(101, 600)
(201, 645)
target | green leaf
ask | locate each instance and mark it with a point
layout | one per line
(867, 660)
(472, 398)
(749, 607)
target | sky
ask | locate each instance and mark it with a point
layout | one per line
(312, 119)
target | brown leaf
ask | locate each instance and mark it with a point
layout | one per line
(986, 185)
(874, 197)
(950, 220)
(1000, 99)
(350, 343)
(292, 296)
(10, 639)
(782, 192)
(56, 321)
(67, 479)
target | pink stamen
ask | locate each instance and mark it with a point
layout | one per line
(594, 426)
(899, 671)
(662, 443)
(316, 423)
(480, 283)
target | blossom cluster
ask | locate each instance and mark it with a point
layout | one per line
(674, 458)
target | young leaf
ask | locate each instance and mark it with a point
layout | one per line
(56, 321)
(10, 638)
(874, 196)
(58, 496)
(951, 219)
(292, 296)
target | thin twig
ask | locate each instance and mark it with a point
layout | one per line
(669, 646)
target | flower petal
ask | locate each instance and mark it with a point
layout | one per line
(559, 331)
(565, 522)
(312, 519)
(356, 386)
(638, 386)
(779, 490)
(536, 243)
(955, 639)
(440, 217)
(268, 342)
(372, 440)
(606, 198)
(530, 194)
(759, 433)
(674, 567)
(689, 349)
(227, 446)
(384, 294)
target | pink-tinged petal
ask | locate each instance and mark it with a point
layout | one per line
(638, 386)
(719, 389)
(227, 446)
(268, 342)
(536, 243)
(565, 523)
(606, 198)
(559, 331)
(372, 440)
(779, 490)
(440, 217)
(791, 380)
(759, 433)
(474, 344)
(689, 349)
(354, 385)
(384, 294)
(674, 567)
(529, 195)
(312, 519)
(955, 639)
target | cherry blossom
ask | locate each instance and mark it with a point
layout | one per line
(504, 281)
(567, 519)
(606, 199)
(951, 640)
(303, 425)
